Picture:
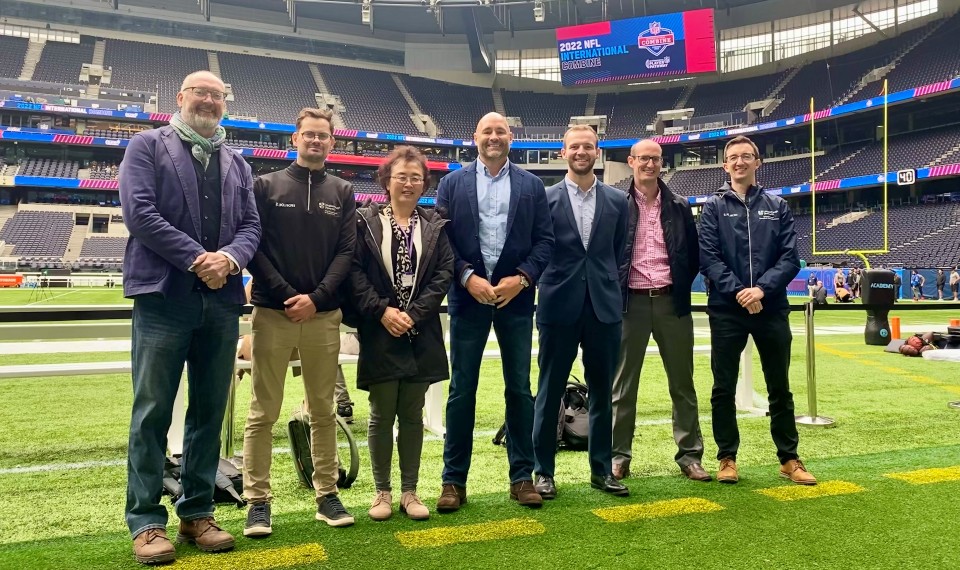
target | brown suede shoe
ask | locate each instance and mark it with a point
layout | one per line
(206, 534)
(153, 547)
(796, 472)
(524, 493)
(620, 471)
(696, 472)
(451, 498)
(728, 471)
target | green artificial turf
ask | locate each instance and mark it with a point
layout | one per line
(891, 416)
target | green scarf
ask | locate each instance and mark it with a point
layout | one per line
(202, 147)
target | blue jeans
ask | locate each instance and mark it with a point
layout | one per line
(200, 330)
(468, 338)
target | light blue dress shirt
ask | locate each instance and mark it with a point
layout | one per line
(493, 205)
(584, 205)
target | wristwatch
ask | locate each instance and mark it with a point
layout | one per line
(523, 281)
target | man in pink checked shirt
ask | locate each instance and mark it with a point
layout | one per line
(656, 273)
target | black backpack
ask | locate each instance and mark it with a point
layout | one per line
(299, 431)
(573, 421)
(229, 482)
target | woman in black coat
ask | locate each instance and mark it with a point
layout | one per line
(401, 272)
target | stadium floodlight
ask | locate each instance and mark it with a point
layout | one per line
(538, 11)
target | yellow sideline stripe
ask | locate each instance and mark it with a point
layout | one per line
(925, 476)
(445, 536)
(823, 489)
(657, 509)
(901, 373)
(297, 556)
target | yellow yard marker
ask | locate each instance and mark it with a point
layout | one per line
(823, 489)
(445, 536)
(926, 476)
(297, 556)
(657, 509)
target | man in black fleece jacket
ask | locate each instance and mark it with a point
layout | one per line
(309, 231)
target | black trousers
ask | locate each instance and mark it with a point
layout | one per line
(771, 335)
(558, 351)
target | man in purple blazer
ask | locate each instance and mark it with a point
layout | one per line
(188, 204)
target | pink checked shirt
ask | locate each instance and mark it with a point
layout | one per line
(650, 263)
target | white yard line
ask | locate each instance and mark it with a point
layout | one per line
(52, 298)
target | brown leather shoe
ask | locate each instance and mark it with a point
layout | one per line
(153, 547)
(696, 472)
(524, 493)
(796, 472)
(206, 534)
(451, 498)
(620, 471)
(728, 471)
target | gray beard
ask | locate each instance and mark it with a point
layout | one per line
(200, 122)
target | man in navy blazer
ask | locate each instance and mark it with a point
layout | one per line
(580, 305)
(188, 204)
(502, 237)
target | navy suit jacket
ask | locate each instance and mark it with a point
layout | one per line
(573, 270)
(160, 199)
(528, 245)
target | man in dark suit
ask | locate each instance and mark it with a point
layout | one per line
(188, 204)
(580, 305)
(502, 238)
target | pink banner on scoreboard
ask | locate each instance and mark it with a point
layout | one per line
(701, 47)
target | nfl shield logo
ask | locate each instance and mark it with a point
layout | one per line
(656, 39)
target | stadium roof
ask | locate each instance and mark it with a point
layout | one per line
(403, 16)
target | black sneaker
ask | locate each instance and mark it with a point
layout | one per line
(258, 521)
(330, 510)
(345, 411)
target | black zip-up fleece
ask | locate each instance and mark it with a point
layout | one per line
(309, 231)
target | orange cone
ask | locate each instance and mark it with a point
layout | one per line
(894, 328)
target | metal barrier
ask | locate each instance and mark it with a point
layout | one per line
(34, 322)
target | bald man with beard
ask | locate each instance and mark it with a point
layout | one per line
(656, 273)
(500, 229)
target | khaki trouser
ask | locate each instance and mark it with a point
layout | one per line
(275, 338)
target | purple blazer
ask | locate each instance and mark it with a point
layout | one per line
(161, 209)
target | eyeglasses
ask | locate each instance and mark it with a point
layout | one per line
(310, 136)
(402, 179)
(745, 157)
(201, 93)
(643, 159)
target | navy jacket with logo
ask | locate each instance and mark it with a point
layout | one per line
(747, 243)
